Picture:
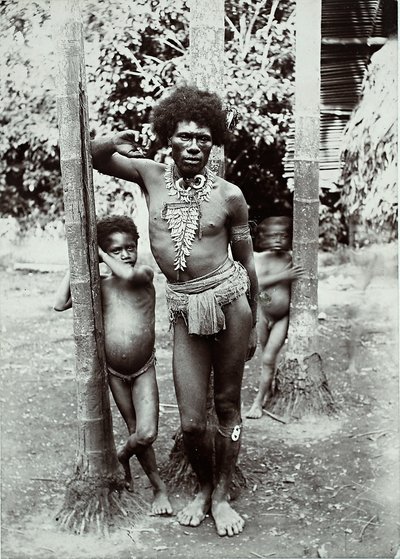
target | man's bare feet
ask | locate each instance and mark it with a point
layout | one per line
(161, 504)
(124, 461)
(195, 512)
(227, 521)
(255, 412)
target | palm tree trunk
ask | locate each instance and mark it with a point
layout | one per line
(301, 385)
(90, 497)
(207, 44)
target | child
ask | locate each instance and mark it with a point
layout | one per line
(128, 302)
(275, 273)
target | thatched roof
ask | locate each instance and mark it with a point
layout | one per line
(369, 150)
(351, 33)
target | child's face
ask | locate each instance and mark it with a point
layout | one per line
(274, 237)
(122, 246)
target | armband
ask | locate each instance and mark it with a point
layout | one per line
(240, 233)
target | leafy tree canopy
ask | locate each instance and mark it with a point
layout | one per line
(134, 51)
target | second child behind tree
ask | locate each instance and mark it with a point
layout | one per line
(128, 302)
(275, 273)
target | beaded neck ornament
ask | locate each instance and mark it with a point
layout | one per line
(183, 216)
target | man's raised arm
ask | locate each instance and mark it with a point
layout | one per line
(117, 155)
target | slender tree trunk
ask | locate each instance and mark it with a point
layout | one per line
(207, 46)
(207, 41)
(93, 494)
(301, 385)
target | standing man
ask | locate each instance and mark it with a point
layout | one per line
(194, 216)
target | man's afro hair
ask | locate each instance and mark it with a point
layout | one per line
(115, 224)
(191, 104)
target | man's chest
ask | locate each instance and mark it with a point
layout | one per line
(168, 213)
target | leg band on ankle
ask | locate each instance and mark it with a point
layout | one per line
(231, 432)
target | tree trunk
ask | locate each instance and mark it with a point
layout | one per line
(207, 41)
(207, 45)
(300, 384)
(93, 494)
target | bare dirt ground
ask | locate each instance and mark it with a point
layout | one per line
(318, 487)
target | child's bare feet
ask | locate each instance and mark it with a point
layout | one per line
(195, 512)
(255, 412)
(161, 504)
(124, 461)
(266, 400)
(352, 369)
(227, 521)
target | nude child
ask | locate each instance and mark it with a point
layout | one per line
(275, 273)
(128, 302)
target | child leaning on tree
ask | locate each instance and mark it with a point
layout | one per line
(128, 303)
(275, 273)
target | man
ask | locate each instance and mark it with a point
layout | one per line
(193, 218)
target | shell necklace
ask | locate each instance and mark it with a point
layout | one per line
(183, 216)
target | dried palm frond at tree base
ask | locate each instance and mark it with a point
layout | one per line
(301, 388)
(97, 505)
(179, 473)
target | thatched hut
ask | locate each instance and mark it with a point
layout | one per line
(369, 150)
(353, 34)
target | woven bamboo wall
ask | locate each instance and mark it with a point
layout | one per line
(351, 31)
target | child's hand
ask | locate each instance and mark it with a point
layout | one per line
(252, 344)
(101, 254)
(296, 272)
(126, 143)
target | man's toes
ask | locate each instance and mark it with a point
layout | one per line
(182, 518)
(222, 532)
(188, 520)
(229, 530)
(162, 510)
(238, 527)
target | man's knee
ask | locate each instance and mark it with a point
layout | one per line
(227, 407)
(193, 428)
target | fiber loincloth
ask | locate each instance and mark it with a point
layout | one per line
(131, 377)
(199, 301)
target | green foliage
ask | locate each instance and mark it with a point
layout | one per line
(332, 229)
(259, 69)
(142, 49)
(29, 176)
(134, 51)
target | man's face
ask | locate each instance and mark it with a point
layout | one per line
(191, 145)
(274, 237)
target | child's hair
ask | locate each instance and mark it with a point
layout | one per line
(115, 224)
(266, 223)
(283, 220)
(191, 104)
